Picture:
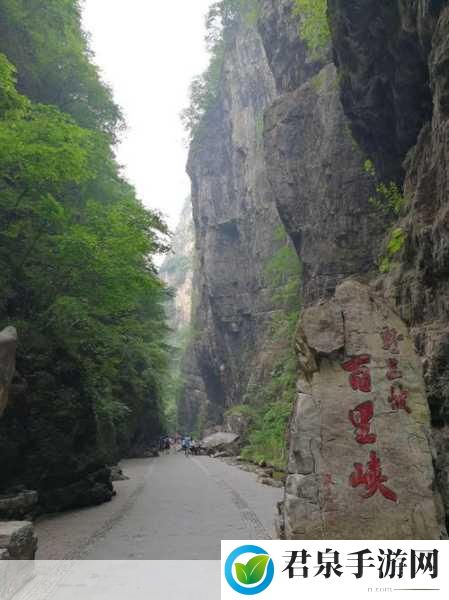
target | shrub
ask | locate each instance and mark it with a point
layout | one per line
(313, 27)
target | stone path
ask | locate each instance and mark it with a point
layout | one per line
(172, 508)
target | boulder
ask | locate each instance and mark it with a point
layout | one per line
(18, 539)
(221, 441)
(117, 474)
(17, 551)
(18, 505)
(360, 460)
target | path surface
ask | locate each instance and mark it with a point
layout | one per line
(172, 508)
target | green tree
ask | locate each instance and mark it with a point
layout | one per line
(78, 280)
(46, 43)
(314, 27)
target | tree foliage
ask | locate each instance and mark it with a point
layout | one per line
(76, 246)
(45, 42)
(269, 404)
(314, 27)
(221, 20)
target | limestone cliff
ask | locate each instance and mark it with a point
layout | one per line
(235, 224)
(287, 142)
(394, 64)
(177, 270)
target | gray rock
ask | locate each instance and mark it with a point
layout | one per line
(360, 446)
(117, 474)
(270, 482)
(17, 537)
(319, 186)
(395, 88)
(235, 227)
(381, 52)
(219, 440)
(18, 506)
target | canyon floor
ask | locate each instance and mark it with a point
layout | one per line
(171, 508)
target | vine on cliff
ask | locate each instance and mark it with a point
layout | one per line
(220, 22)
(313, 27)
(390, 201)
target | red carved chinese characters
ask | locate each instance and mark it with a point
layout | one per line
(361, 418)
(372, 479)
(398, 398)
(393, 369)
(391, 339)
(360, 378)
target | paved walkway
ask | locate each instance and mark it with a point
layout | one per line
(172, 508)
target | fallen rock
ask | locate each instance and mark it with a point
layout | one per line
(221, 455)
(270, 482)
(220, 441)
(95, 488)
(117, 474)
(18, 539)
(19, 505)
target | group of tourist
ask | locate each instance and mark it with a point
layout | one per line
(179, 443)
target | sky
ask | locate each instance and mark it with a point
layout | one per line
(148, 52)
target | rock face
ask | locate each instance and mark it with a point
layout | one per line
(381, 52)
(18, 540)
(409, 57)
(235, 226)
(177, 270)
(360, 462)
(8, 345)
(286, 53)
(318, 183)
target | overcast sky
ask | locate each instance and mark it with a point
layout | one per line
(149, 52)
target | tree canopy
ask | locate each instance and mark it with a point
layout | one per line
(77, 247)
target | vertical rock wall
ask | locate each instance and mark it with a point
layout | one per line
(319, 186)
(235, 224)
(411, 62)
(360, 445)
(177, 270)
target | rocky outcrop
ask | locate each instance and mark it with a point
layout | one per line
(362, 415)
(321, 191)
(360, 462)
(177, 270)
(235, 226)
(381, 50)
(18, 505)
(17, 539)
(8, 345)
(287, 54)
(408, 57)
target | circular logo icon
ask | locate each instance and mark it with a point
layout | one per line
(249, 570)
